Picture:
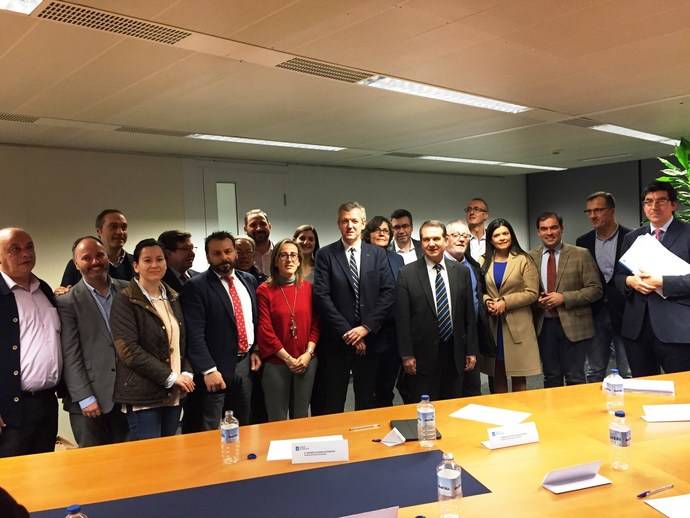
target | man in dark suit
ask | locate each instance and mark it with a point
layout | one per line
(435, 319)
(655, 328)
(88, 351)
(354, 293)
(30, 355)
(179, 256)
(220, 317)
(604, 243)
(403, 243)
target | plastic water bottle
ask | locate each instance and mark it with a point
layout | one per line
(230, 438)
(620, 437)
(615, 392)
(426, 423)
(74, 511)
(449, 483)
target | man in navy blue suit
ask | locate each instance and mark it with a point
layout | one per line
(354, 292)
(656, 328)
(220, 316)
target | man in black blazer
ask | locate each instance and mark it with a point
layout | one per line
(435, 319)
(604, 243)
(403, 243)
(655, 328)
(354, 293)
(179, 256)
(220, 316)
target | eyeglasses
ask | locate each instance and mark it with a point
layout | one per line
(597, 210)
(382, 230)
(284, 256)
(404, 226)
(660, 202)
(474, 209)
(456, 235)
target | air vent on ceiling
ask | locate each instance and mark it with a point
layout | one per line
(103, 21)
(404, 155)
(151, 131)
(15, 117)
(581, 122)
(315, 68)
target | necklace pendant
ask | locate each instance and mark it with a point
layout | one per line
(293, 328)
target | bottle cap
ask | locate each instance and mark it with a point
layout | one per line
(74, 508)
(614, 371)
(425, 397)
(448, 456)
(620, 413)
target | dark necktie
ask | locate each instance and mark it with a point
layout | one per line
(355, 281)
(445, 325)
(658, 234)
(551, 272)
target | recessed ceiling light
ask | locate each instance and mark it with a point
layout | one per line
(442, 94)
(490, 162)
(604, 157)
(627, 132)
(259, 142)
(19, 6)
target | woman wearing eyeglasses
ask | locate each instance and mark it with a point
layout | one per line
(378, 231)
(287, 335)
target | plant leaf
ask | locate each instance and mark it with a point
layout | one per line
(668, 164)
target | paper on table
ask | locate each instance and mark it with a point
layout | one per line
(389, 512)
(666, 413)
(654, 386)
(512, 435)
(671, 506)
(282, 450)
(573, 478)
(393, 438)
(491, 415)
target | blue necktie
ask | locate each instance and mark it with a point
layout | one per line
(445, 325)
(355, 281)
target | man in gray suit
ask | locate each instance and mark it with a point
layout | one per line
(87, 348)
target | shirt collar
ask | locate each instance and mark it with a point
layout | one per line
(556, 248)
(663, 227)
(120, 257)
(33, 284)
(94, 290)
(398, 249)
(612, 236)
(357, 245)
(150, 298)
(430, 264)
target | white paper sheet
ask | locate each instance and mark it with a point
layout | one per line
(512, 435)
(651, 386)
(282, 450)
(393, 438)
(573, 478)
(671, 506)
(666, 413)
(490, 415)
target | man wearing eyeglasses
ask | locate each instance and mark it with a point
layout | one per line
(604, 242)
(403, 243)
(179, 256)
(476, 214)
(655, 327)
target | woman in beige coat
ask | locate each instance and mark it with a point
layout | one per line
(512, 285)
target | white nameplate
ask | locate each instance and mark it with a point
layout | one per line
(573, 478)
(320, 451)
(512, 435)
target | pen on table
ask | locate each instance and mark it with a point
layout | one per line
(651, 492)
(364, 427)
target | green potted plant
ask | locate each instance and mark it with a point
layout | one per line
(679, 177)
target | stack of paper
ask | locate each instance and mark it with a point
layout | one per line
(666, 413)
(653, 386)
(672, 506)
(491, 415)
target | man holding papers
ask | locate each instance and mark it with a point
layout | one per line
(655, 327)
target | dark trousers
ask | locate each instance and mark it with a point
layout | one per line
(38, 430)
(471, 382)
(107, 428)
(152, 423)
(444, 381)
(333, 377)
(386, 374)
(647, 355)
(561, 359)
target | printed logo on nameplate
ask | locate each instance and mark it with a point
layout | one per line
(320, 451)
(512, 435)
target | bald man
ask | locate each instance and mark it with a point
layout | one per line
(30, 353)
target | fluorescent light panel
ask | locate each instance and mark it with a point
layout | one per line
(490, 162)
(259, 142)
(627, 132)
(442, 94)
(19, 6)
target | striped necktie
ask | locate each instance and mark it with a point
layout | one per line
(355, 281)
(445, 325)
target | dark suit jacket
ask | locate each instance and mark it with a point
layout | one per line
(612, 297)
(487, 344)
(334, 293)
(669, 317)
(88, 352)
(172, 280)
(415, 242)
(10, 351)
(416, 321)
(210, 322)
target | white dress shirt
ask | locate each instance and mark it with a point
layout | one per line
(358, 253)
(432, 279)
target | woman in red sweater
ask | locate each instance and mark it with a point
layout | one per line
(288, 332)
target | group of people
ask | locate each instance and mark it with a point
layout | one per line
(136, 343)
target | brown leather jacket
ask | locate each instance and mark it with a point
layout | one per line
(141, 342)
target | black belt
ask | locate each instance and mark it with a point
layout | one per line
(39, 393)
(242, 356)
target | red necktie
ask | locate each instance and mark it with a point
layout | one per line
(242, 343)
(551, 272)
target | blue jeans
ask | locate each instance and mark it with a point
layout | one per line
(152, 423)
(605, 341)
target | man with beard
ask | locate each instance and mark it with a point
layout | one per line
(111, 228)
(88, 351)
(257, 226)
(220, 316)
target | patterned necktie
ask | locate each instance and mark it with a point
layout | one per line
(242, 342)
(658, 234)
(551, 272)
(445, 325)
(355, 281)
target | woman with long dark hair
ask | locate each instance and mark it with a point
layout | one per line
(512, 286)
(307, 239)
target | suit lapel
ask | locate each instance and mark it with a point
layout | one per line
(562, 263)
(453, 285)
(671, 234)
(88, 309)
(219, 289)
(342, 261)
(423, 278)
(510, 268)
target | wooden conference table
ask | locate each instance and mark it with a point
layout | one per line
(572, 424)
